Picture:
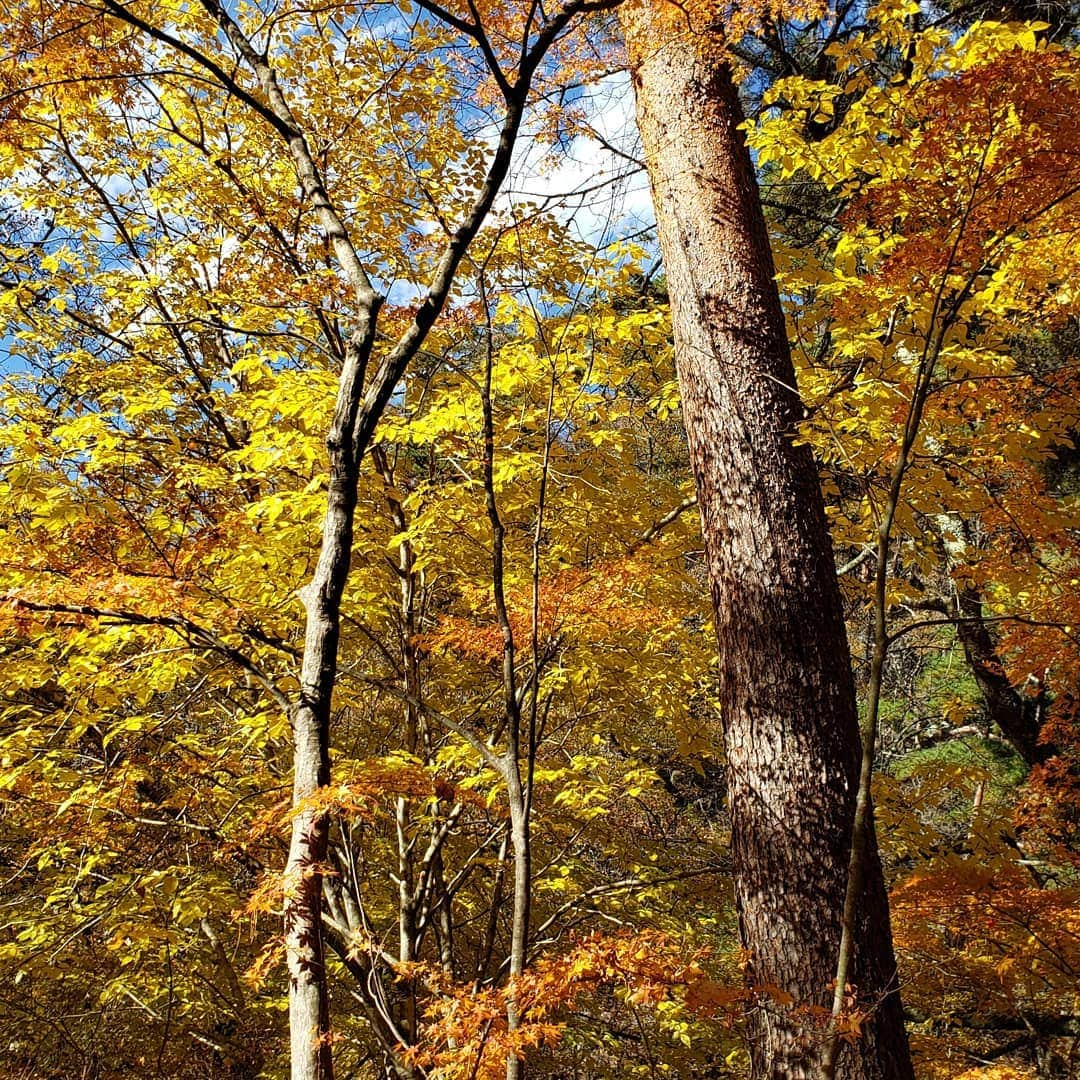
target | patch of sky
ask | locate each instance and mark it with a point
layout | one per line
(593, 180)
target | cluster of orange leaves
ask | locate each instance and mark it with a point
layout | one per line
(982, 920)
(54, 43)
(606, 596)
(1018, 107)
(363, 787)
(468, 1035)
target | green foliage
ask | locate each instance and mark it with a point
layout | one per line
(990, 759)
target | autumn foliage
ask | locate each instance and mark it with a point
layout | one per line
(172, 328)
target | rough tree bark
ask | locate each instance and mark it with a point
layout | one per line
(790, 726)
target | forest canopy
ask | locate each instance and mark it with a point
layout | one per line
(365, 568)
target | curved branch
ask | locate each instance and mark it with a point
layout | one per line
(189, 630)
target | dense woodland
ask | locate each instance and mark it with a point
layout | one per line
(422, 652)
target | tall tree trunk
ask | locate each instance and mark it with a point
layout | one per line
(1018, 716)
(790, 726)
(309, 1005)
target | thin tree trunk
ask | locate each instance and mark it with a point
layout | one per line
(1019, 718)
(309, 1007)
(409, 899)
(486, 952)
(519, 927)
(511, 759)
(790, 726)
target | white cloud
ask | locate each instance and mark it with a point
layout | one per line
(593, 183)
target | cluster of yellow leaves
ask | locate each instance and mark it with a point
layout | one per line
(173, 324)
(945, 1068)
(166, 470)
(954, 247)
